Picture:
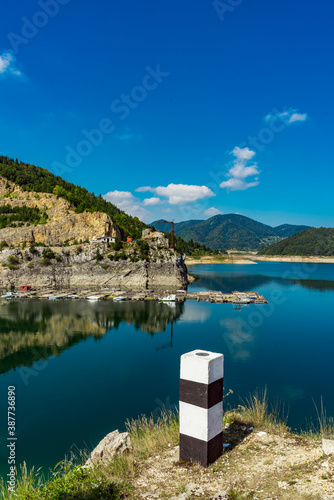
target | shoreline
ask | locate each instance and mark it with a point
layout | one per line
(214, 260)
(298, 259)
(255, 259)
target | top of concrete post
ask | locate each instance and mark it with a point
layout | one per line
(202, 366)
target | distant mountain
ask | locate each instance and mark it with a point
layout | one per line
(309, 242)
(231, 231)
(166, 227)
(286, 230)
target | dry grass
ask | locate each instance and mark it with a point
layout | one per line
(27, 482)
(252, 467)
(149, 435)
(255, 411)
(324, 427)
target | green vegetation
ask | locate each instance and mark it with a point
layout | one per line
(254, 410)
(98, 256)
(287, 230)
(46, 262)
(12, 259)
(12, 267)
(231, 231)
(237, 470)
(67, 483)
(311, 242)
(144, 249)
(117, 245)
(40, 180)
(105, 481)
(17, 216)
(3, 244)
(191, 248)
(48, 253)
(12, 263)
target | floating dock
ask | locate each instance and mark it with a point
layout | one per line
(216, 297)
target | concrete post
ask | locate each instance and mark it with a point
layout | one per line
(201, 406)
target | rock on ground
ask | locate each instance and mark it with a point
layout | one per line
(112, 444)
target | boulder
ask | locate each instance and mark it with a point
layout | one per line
(221, 495)
(112, 444)
(328, 446)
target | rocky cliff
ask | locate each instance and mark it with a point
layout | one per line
(89, 266)
(62, 225)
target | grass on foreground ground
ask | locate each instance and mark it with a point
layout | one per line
(70, 481)
(149, 436)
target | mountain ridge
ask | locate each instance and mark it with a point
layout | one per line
(231, 232)
(310, 242)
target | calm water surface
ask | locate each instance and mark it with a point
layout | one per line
(81, 369)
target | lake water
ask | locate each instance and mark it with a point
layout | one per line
(81, 369)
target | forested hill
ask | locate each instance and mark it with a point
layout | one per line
(286, 230)
(307, 243)
(32, 178)
(230, 231)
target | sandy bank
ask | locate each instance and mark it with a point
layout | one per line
(214, 260)
(254, 259)
(295, 258)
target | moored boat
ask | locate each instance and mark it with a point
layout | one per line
(119, 299)
(168, 298)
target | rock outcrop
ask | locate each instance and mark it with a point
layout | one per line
(63, 223)
(78, 267)
(114, 443)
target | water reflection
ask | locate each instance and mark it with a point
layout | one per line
(35, 330)
(236, 339)
(246, 282)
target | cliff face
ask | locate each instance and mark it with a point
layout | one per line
(78, 267)
(62, 225)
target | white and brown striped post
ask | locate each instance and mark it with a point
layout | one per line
(201, 406)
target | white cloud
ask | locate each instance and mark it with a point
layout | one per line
(210, 212)
(243, 153)
(179, 194)
(7, 64)
(145, 189)
(288, 116)
(240, 171)
(151, 201)
(194, 314)
(128, 203)
(297, 117)
(119, 196)
(234, 184)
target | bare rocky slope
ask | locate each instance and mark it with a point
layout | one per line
(89, 266)
(63, 223)
(82, 266)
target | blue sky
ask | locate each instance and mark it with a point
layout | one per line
(176, 110)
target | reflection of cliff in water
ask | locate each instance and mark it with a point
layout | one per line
(33, 330)
(250, 282)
